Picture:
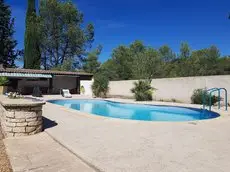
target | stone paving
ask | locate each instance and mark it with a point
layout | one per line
(40, 153)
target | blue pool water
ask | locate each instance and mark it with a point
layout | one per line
(136, 112)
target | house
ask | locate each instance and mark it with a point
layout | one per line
(49, 82)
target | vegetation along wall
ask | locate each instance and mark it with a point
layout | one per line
(167, 89)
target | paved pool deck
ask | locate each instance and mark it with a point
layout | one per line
(40, 153)
(115, 145)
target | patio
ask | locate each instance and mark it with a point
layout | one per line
(106, 144)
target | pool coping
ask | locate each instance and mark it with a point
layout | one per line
(221, 112)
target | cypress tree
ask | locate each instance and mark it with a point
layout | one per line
(7, 42)
(32, 56)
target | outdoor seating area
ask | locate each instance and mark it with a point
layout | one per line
(24, 81)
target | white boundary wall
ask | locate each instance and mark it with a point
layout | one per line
(173, 88)
(87, 84)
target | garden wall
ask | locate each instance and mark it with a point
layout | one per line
(173, 88)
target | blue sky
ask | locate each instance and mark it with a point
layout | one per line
(155, 22)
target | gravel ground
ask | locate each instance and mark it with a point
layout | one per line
(4, 161)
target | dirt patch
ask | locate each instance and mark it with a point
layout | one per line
(4, 161)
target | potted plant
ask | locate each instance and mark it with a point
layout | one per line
(3, 84)
(82, 90)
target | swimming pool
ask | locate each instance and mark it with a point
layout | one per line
(136, 111)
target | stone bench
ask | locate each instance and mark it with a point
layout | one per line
(20, 117)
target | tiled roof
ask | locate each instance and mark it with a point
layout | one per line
(33, 71)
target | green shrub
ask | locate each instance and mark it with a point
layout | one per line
(3, 81)
(100, 85)
(142, 90)
(197, 97)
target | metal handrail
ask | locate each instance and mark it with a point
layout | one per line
(212, 89)
(204, 98)
(210, 98)
(210, 95)
(226, 98)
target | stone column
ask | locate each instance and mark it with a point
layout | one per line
(21, 119)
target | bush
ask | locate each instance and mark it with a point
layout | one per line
(100, 85)
(197, 97)
(3, 81)
(142, 90)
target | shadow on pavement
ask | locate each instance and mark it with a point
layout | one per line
(47, 123)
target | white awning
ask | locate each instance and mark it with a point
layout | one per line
(25, 75)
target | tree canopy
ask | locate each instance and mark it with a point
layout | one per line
(7, 42)
(64, 38)
(32, 54)
(91, 63)
(185, 50)
(138, 61)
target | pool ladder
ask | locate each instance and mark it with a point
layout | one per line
(210, 91)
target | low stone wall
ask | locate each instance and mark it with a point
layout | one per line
(21, 118)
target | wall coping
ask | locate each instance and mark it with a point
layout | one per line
(24, 102)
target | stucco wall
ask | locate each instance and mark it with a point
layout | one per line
(87, 85)
(173, 88)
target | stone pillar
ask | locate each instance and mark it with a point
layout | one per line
(22, 120)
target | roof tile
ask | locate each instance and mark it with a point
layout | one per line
(34, 71)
